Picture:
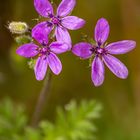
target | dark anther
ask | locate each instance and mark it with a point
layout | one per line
(43, 44)
(99, 43)
(49, 24)
(51, 15)
(92, 50)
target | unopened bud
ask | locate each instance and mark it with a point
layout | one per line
(23, 39)
(18, 27)
(31, 63)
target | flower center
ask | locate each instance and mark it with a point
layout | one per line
(98, 51)
(55, 20)
(44, 51)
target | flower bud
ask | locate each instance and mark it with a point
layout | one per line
(23, 39)
(18, 27)
(31, 63)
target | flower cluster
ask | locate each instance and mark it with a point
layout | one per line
(46, 50)
(57, 26)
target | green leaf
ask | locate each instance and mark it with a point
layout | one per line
(12, 120)
(75, 122)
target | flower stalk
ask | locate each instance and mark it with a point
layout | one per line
(43, 96)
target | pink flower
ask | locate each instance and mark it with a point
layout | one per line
(46, 56)
(61, 21)
(103, 53)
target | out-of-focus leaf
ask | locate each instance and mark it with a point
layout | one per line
(76, 122)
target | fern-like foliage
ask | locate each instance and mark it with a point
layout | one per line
(75, 122)
(12, 120)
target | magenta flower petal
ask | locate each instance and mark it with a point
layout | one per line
(62, 35)
(82, 50)
(58, 47)
(121, 47)
(97, 71)
(27, 50)
(43, 7)
(101, 31)
(116, 66)
(40, 68)
(72, 22)
(65, 7)
(41, 31)
(54, 63)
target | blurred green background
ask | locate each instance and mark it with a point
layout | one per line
(120, 98)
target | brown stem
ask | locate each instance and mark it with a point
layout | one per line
(41, 100)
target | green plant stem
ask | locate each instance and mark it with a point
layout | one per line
(42, 99)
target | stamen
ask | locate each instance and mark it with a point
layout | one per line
(99, 51)
(44, 51)
(44, 44)
(92, 50)
(99, 43)
(51, 15)
(49, 24)
(55, 20)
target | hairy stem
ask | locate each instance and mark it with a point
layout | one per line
(41, 100)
